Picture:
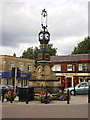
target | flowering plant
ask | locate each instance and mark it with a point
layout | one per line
(10, 95)
(62, 96)
(45, 97)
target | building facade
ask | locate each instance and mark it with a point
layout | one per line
(71, 69)
(26, 67)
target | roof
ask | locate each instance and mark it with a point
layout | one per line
(18, 58)
(75, 57)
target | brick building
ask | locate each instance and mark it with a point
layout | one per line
(25, 65)
(71, 69)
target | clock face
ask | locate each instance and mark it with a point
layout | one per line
(46, 36)
(41, 36)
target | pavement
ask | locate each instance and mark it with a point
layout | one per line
(75, 100)
(78, 108)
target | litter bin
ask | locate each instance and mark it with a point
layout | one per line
(26, 93)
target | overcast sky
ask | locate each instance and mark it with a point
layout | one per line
(20, 23)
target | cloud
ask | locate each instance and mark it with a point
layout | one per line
(67, 21)
(18, 25)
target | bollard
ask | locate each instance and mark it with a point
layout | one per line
(26, 101)
(27, 96)
(46, 98)
(11, 98)
(2, 97)
(3, 92)
(68, 98)
(74, 91)
(89, 95)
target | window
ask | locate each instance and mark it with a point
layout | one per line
(83, 85)
(11, 66)
(83, 67)
(21, 67)
(69, 67)
(56, 68)
(29, 68)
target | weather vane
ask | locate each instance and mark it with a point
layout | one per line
(44, 19)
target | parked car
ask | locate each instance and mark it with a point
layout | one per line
(81, 88)
(3, 88)
(10, 87)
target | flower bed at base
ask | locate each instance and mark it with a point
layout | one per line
(62, 96)
(10, 95)
(45, 97)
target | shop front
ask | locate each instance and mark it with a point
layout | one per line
(23, 80)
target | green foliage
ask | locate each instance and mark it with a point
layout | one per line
(82, 47)
(61, 94)
(28, 53)
(52, 50)
(32, 53)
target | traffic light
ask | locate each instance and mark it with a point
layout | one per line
(18, 72)
(13, 72)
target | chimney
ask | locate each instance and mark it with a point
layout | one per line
(14, 55)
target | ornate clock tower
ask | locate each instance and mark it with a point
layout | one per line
(43, 70)
(44, 38)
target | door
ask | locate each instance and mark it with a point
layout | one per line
(69, 82)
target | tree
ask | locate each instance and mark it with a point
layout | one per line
(82, 47)
(32, 53)
(52, 50)
(28, 53)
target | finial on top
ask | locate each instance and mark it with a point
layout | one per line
(44, 19)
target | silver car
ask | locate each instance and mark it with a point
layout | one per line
(81, 89)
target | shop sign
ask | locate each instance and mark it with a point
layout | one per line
(68, 74)
(25, 75)
(8, 75)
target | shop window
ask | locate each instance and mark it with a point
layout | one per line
(69, 67)
(8, 81)
(56, 68)
(83, 67)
